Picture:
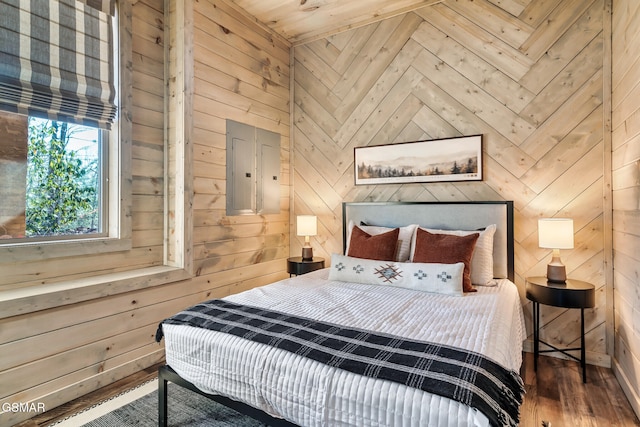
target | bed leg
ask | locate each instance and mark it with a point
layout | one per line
(162, 398)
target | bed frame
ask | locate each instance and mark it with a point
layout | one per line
(166, 374)
(446, 215)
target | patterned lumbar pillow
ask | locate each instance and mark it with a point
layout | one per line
(426, 277)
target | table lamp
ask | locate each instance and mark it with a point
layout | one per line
(307, 225)
(556, 234)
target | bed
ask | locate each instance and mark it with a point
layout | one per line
(299, 382)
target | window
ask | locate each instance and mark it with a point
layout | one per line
(52, 179)
(61, 143)
(64, 180)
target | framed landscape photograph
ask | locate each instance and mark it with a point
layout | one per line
(437, 160)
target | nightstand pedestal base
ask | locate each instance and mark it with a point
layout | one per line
(537, 341)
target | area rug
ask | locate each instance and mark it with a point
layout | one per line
(186, 408)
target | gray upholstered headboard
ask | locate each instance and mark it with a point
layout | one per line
(442, 215)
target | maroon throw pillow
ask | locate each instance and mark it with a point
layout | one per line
(381, 247)
(446, 249)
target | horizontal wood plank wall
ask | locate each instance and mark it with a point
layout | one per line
(55, 355)
(626, 194)
(528, 77)
(241, 72)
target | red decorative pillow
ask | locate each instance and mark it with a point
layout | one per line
(380, 247)
(446, 249)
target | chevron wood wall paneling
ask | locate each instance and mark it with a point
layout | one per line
(527, 75)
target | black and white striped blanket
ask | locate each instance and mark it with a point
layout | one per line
(464, 376)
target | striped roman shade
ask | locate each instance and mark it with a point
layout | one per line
(56, 60)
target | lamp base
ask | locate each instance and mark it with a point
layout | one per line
(556, 273)
(307, 253)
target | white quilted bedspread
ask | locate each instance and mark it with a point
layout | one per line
(309, 393)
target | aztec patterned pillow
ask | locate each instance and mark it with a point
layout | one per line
(426, 277)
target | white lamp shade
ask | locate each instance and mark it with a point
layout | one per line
(306, 225)
(555, 233)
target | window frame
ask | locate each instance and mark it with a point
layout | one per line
(117, 236)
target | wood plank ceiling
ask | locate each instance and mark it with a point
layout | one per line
(300, 21)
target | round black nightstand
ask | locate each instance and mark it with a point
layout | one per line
(295, 265)
(571, 294)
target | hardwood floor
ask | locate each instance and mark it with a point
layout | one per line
(557, 394)
(554, 394)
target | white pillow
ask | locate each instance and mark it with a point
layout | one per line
(426, 277)
(404, 238)
(481, 265)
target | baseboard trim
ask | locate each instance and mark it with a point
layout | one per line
(597, 359)
(627, 388)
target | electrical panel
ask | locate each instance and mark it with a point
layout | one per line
(253, 170)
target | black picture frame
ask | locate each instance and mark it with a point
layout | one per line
(437, 160)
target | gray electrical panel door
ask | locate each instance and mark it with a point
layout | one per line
(241, 169)
(268, 172)
(253, 170)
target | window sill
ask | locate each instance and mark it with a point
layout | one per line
(29, 299)
(55, 249)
